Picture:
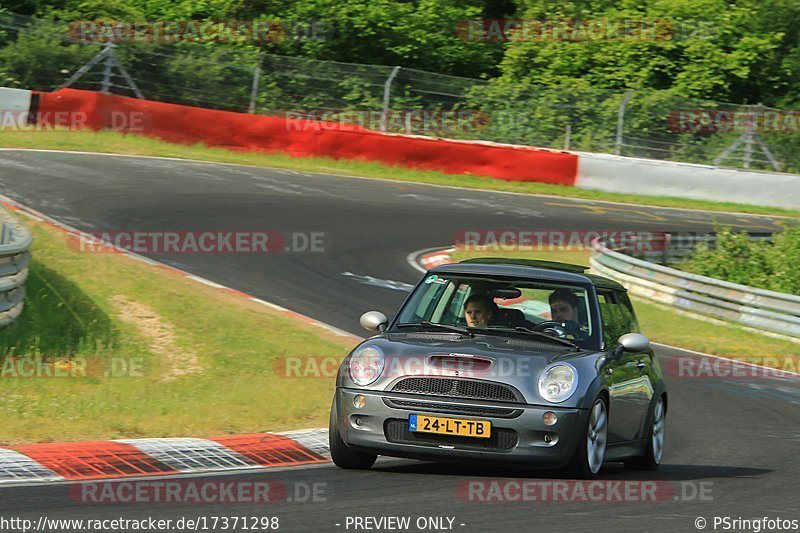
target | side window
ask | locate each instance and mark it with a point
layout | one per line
(631, 324)
(612, 319)
(617, 314)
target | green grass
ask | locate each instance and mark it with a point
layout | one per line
(668, 327)
(227, 344)
(114, 142)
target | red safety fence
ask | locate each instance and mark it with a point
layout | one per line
(239, 131)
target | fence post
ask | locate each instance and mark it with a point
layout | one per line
(254, 87)
(387, 95)
(567, 135)
(621, 121)
(85, 68)
(107, 66)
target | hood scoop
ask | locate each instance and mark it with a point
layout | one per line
(458, 362)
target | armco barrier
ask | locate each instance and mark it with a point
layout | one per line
(612, 173)
(300, 137)
(15, 239)
(759, 308)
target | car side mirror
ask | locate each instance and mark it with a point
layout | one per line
(631, 342)
(374, 321)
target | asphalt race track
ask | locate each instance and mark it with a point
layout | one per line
(732, 444)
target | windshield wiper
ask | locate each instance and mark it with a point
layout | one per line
(446, 327)
(537, 334)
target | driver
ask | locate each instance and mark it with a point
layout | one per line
(478, 310)
(564, 309)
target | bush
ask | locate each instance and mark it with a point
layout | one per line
(736, 258)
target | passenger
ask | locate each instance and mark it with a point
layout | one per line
(478, 310)
(564, 309)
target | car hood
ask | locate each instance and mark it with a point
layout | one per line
(514, 361)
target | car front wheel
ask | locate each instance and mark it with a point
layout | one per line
(654, 450)
(343, 455)
(591, 450)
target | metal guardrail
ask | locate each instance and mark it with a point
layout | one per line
(673, 247)
(771, 311)
(15, 239)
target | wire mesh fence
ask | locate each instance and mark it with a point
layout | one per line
(38, 54)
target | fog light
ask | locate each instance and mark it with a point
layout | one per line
(550, 438)
(359, 401)
(549, 418)
(359, 421)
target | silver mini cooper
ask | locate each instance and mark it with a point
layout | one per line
(527, 363)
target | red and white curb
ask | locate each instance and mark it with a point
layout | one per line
(425, 259)
(78, 461)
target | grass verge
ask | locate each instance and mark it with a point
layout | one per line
(167, 356)
(668, 327)
(114, 142)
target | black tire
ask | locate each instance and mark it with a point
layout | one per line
(652, 457)
(580, 467)
(342, 455)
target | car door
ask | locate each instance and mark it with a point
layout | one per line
(629, 386)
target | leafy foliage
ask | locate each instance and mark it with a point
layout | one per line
(738, 259)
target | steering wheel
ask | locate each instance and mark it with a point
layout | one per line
(561, 329)
(551, 326)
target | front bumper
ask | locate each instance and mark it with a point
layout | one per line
(518, 432)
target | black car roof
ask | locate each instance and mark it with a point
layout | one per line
(525, 269)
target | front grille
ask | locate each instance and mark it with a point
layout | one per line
(458, 388)
(453, 408)
(502, 440)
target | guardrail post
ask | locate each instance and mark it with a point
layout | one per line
(254, 86)
(387, 96)
(621, 121)
(5, 235)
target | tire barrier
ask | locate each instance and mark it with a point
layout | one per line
(15, 239)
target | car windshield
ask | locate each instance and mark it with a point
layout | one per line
(518, 307)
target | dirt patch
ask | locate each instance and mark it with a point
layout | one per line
(160, 337)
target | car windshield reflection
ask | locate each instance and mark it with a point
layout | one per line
(548, 311)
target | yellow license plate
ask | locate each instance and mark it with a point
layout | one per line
(450, 426)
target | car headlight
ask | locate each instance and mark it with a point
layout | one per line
(558, 382)
(366, 365)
